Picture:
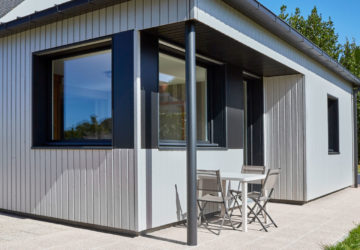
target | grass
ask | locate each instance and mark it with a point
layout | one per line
(351, 242)
(359, 169)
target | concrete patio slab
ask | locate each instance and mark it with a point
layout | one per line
(310, 226)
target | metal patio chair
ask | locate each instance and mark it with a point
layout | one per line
(210, 191)
(263, 197)
(247, 169)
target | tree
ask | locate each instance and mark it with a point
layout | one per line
(320, 32)
(350, 57)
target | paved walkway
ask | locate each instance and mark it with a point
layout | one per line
(311, 226)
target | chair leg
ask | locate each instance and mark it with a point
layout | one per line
(256, 216)
(229, 217)
(201, 215)
(267, 214)
(236, 203)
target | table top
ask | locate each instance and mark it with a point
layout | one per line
(237, 176)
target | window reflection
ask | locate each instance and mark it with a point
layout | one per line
(82, 97)
(172, 96)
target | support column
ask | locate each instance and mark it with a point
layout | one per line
(191, 133)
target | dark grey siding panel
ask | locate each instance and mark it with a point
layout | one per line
(255, 122)
(235, 107)
(285, 132)
(149, 90)
(123, 89)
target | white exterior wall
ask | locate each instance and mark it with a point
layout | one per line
(324, 173)
(167, 168)
(327, 173)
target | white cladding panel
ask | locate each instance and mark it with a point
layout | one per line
(285, 133)
(324, 173)
(327, 173)
(90, 186)
(162, 181)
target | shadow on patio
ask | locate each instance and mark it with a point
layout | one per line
(310, 226)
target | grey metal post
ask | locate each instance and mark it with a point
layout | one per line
(191, 133)
(355, 139)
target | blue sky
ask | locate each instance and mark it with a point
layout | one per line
(87, 88)
(345, 14)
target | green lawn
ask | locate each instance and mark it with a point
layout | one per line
(359, 169)
(351, 242)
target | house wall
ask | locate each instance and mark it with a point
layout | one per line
(322, 171)
(328, 173)
(162, 190)
(95, 186)
(284, 101)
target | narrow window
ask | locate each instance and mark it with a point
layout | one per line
(172, 97)
(333, 125)
(81, 97)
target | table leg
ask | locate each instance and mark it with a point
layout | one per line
(244, 192)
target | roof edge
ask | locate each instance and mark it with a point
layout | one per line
(266, 18)
(55, 13)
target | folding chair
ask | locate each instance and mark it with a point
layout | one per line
(210, 191)
(258, 197)
(247, 169)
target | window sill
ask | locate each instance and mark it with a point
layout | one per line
(334, 153)
(182, 146)
(67, 145)
(73, 147)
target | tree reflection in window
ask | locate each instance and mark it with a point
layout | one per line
(82, 97)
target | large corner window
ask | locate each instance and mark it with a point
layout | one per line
(83, 94)
(333, 125)
(81, 98)
(172, 101)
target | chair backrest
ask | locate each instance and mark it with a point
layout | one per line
(209, 180)
(271, 179)
(248, 169)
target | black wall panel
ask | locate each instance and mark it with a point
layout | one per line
(217, 104)
(123, 89)
(255, 122)
(235, 107)
(41, 103)
(149, 90)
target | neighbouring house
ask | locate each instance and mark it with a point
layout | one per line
(93, 107)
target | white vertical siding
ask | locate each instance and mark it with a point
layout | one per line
(90, 186)
(284, 133)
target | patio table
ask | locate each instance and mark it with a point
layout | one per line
(244, 179)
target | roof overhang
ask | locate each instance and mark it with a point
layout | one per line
(264, 17)
(225, 49)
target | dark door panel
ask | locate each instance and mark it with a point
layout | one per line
(255, 122)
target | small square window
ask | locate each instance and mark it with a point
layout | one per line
(333, 125)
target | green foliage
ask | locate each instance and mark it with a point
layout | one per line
(351, 242)
(351, 57)
(323, 34)
(90, 130)
(319, 31)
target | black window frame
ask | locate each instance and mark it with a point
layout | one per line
(122, 88)
(212, 135)
(333, 125)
